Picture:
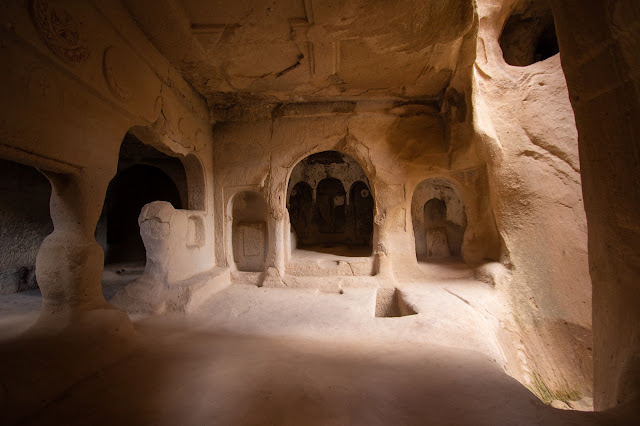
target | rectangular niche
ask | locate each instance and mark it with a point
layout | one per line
(249, 246)
(195, 232)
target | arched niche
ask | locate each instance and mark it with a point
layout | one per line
(249, 234)
(439, 220)
(144, 174)
(323, 215)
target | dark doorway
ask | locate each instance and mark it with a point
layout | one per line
(144, 175)
(129, 191)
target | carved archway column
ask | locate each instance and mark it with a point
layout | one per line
(276, 257)
(70, 261)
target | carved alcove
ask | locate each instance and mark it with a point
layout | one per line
(529, 34)
(249, 231)
(439, 220)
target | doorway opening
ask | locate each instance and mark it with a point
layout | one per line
(324, 217)
(144, 175)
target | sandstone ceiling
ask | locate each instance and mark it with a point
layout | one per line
(235, 51)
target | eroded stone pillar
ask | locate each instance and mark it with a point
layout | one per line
(382, 264)
(70, 261)
(279, 244)
(275, 267)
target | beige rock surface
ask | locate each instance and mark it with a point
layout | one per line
(529, 137)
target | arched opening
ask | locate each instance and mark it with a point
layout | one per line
(144, 175)
(323, 216)
(529, 35)
(24, 223)
(129, 191)
(439, 220)
(249, 231)
(186, 171)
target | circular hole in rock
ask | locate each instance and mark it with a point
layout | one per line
(529, 35)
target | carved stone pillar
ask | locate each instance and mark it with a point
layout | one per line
(275, 267)
(70, 261)
(279, 244)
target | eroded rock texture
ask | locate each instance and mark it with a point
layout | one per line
(524, 118)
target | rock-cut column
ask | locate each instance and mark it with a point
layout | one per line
(78, 332)
(70, 261)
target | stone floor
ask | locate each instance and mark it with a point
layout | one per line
(271, 356)
(315, 251)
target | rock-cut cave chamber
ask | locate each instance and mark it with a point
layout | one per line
(306, 212)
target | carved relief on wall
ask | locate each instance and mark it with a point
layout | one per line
(59, 31)
(114, 74)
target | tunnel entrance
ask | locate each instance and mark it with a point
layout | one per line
(24, 223)
(144, 175)
(330, 205)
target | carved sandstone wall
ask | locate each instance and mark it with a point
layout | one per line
(525, 129)
(260, 156)
(77, 76)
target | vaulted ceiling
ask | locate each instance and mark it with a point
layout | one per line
(235, 51)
